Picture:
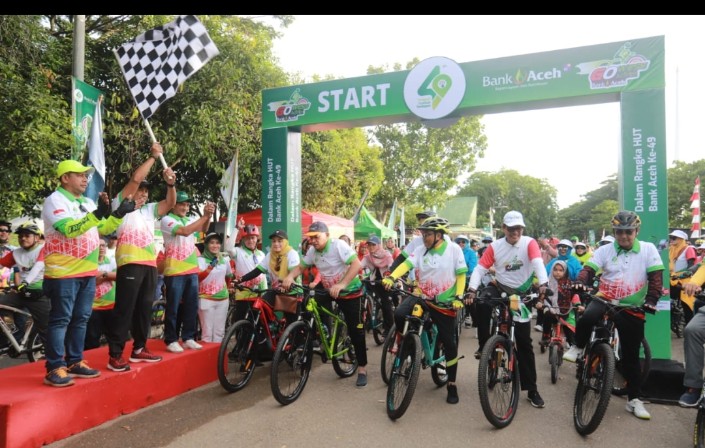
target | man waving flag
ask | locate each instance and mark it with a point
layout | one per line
(157, 62)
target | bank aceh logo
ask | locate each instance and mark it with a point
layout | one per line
(434, 88)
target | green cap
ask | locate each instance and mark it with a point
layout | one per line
(72, 166)
(182, 196)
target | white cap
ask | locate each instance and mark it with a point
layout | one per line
(580, 243)
(568, 243)
(702, 246)
(607, 239)
(679, 234)
(514, 218)
(462, 237)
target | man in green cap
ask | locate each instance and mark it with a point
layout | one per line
(73, 225)
(181, 271)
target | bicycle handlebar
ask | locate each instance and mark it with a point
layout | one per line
(613, 307)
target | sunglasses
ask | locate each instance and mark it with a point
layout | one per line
(5, 230)
(624, 231)
(672, 238)
(515, 229)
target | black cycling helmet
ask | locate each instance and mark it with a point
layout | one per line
(425, 214)
(436, 224)
(28, 227)
(626, 219)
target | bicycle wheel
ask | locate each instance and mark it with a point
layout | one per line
(554, 361)
(291, 364)
(644, 362)
(389, 352)
(236, 356)
(594, 389)
(344, 364)
(405, 375)
(699, 429)
(498, 381)
(378, 328)
(439, 374)
(35, 347)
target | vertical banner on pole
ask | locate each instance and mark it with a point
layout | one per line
(643, 189)
(695, 206)
(83, 101)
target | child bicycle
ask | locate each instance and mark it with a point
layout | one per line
(595, 369)
(419, 348)
(293, 357)
(557, 341)
(249, 340)
(498, 373)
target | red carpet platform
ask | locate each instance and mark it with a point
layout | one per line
(33, 414)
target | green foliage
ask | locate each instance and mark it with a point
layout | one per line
(681, 180)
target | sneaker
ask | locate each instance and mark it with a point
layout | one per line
(361, 380)
(478, 353)
(468, 322)
(573, 354)
(58, 377)
(535, 399)
(538, 327)
(175, 347)
(636, 407)
(81, 370)
(690, 398)
(118, 364)
(144, 356)
(193, 345)
(452, 397)
(317, 346)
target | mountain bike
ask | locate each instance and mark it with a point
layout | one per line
(498, 373)
(595, 369)
(373, 318)
(419, 347)
(15, 342)
(248, 341)
(293, 357)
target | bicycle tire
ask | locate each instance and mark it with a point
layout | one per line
(592, 395)
(345, 364)
(498, 381)
(35, 347)
(645, 364)
(378, 328)
(699, 428)
(388, 354)
(291, 364)
(237, 356)
(439, 373)
(404, 377)
(553, 360)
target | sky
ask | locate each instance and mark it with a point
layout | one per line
(574, 148)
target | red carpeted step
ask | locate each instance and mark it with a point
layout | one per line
(33, 414)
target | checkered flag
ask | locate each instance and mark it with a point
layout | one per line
(157, 62)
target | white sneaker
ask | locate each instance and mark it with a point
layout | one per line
(174, 347)
(193, 345)
(468, 322)
(538, 328)
(636, 407)
(573, 354)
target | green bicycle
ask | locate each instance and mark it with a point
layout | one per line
(293, 357)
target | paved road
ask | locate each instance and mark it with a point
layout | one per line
(332, 412)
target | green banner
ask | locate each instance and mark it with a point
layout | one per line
(84, 99)
(438, 87)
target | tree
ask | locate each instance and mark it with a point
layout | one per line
(508, 190)
(681, 180)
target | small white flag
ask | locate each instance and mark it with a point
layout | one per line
(229, 191)
(96, 156)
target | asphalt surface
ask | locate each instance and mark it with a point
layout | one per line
(333, 412)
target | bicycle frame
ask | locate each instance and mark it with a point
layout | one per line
(326, 337)
(428, 332)
(21, 346)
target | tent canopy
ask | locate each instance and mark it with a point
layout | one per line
(336, 225)
(367, 224)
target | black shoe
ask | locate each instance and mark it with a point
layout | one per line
(361, 380)
(452, 394)
(478, 353)
(535, 399)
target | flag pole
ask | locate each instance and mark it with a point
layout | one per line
(154, 139)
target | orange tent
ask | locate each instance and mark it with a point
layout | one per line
(336, 225)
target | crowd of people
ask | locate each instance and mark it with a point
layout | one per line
(90, 279)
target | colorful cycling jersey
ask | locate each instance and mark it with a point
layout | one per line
(332, 263)
(624, 272)
(29, 264)
(436, 269)
(214, 286)
(515, 265)
(105, 290)
(136, 235)
(67, 257)
(180, 252)
(245, 261)
(293, 260)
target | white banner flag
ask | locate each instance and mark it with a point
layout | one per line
(229, 191)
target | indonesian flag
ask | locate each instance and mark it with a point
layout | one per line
(695, 206)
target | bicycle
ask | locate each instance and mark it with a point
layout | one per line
(596, 367)
(245, 340)
(498, 373)
(373, 317)
(556, 343)
(29, 342)
(293, 357)
(419, 348)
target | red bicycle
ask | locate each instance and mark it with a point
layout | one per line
(556, 343)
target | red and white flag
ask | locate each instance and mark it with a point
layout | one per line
(695, 206)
